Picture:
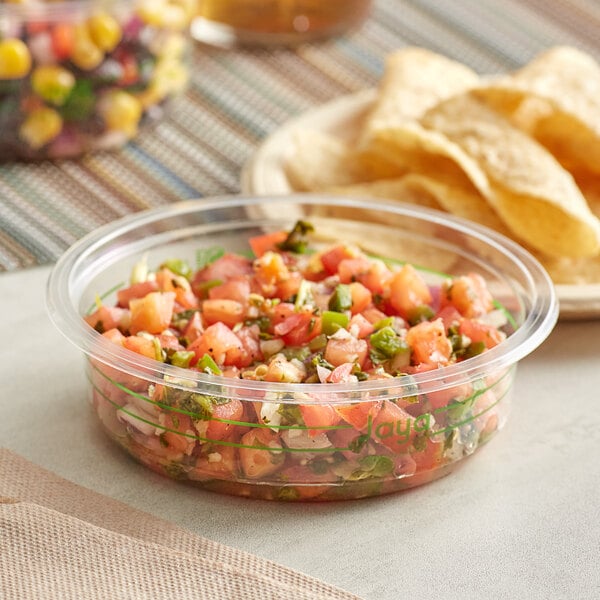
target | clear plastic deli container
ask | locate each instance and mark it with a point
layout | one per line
(341, 433)
(84, 75)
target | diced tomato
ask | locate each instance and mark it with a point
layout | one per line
(130, 73)
(219, 464)
(218, 427)
(270, 270)
(351, 269)
(137, 290)
(441, 398)
(341, 374)
(291, 322)
(477, 331)
(299, 328)
(219, 342)
(373, 315)
(170, 282)
(392, 426)
(223, 269)
(141, 345)
(249, 336)
(236, 288)
(449, 316)
(289, 287)
(359, 414)
(115, 336)
(297, 475)
(346, 350)
(468, 294)
(430, 457)
(346, 439)
(229, 312)
(281, 312)
(34, 27)
(169, 342)
(194, 328)
(319, 416)
(429, 343)
(178, 443)
(361, 297)
(62, 38)
(109, 317)
(408, 290)
(373, 274)
(152, 313)
(261, 454)
(361, 325)
(332, 258)
(267, 242)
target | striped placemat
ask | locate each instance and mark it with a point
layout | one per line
(236, 98)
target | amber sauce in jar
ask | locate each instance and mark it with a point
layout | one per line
(264, 22)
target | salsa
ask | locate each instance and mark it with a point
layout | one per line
(291, 313)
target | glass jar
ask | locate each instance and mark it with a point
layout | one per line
(83, 75)
(266, 22)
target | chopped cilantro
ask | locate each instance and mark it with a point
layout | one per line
(206, 256)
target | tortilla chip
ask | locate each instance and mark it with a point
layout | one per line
(414, 80)
(429, 192)
(536, 198)
(567, 81)
(319, 161)
(571, 271)
(402, 189)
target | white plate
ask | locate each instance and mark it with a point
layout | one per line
(265, 173)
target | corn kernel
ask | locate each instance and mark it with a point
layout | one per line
(52, 83)
(104, 31)
(86, 55)
(41, 126)
(15, 59)
(151, 11)
(121, 111)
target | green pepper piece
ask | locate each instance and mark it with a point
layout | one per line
(182, 358)
(387, 343)
(178, 266)
(296, 240)
(332, 321)
(420, 314)
(341, 298)
(207, 364)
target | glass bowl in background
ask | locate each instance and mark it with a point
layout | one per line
(84, 75)
(246, 437)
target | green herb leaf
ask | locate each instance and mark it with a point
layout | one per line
(206, 256)
(207, 365)
(178, 266)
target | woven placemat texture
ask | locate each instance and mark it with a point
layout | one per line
(237, 98)
(60, 541)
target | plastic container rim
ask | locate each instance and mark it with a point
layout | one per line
(540, 318)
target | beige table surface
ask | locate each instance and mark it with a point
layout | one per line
(520, 520)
